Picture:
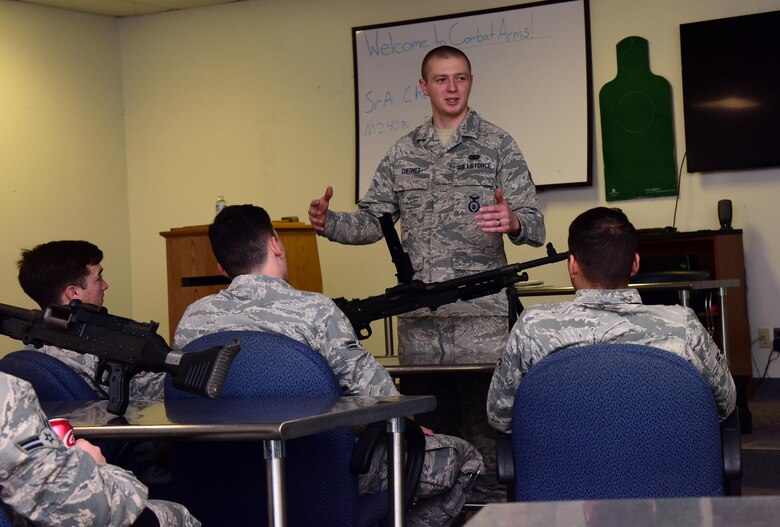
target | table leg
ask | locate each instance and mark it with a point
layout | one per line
(395, 471)
(275, 486)
(389, 344)
(723, 327)
(685, 297)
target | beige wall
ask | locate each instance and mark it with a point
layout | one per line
(254, 100)
(62, 154)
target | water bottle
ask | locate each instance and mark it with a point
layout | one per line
(221, 203)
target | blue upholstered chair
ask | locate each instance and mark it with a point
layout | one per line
(52, 379)
(224, 483)
(5, 521)
(618, 421)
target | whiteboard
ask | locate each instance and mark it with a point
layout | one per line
(532, 77)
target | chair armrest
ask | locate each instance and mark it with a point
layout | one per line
(731, 445)
(363, 452)
(505, 459)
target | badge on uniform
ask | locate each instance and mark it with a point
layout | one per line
(474, 203)
(46, 438)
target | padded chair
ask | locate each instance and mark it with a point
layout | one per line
(224, 483)
(617, 421)
(52, 379)
(5, 520)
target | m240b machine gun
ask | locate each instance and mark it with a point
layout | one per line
(125, 347)
(416, 294)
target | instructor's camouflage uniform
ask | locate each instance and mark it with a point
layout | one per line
(265, 303)
(145, 386)
(436, 190)
(46, 483)
(602, 317)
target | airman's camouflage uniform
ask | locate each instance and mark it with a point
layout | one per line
(436, 190)
(602, 317)
(145, 386)
(265, 303)
(46, 483)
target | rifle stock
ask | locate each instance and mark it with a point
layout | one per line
(416, 294)
(125, 347)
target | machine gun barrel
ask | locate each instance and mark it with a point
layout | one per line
(404, 298)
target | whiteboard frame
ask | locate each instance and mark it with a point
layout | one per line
(582, 55)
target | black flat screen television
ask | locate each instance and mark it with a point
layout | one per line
(731, 92)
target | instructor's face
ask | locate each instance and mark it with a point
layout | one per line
(448, 84)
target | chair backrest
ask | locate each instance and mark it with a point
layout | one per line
(615, 421)
(225, 482)
(52, 379)
(269, 365)
(5, 520)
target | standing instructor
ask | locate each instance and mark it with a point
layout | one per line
(458, 184)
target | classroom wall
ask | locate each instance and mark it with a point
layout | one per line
(62, 154)
(254, 100)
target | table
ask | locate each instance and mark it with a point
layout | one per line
(756, 511)
(273, 422)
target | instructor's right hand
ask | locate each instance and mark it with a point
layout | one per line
(318, 210)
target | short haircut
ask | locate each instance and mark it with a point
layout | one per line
(442, 52)
(46, 270)
(604, 243)
(239, 238)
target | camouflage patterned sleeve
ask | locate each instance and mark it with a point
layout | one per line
(171, 514)
(50, 484)
(362, 227)
(512, 366)
(357, 370)
(520, 192)
(714, 365)
(147, 386)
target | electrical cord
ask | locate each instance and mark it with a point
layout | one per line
(774, 353)
(677, 199)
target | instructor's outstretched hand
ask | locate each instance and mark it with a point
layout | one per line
(318, 210)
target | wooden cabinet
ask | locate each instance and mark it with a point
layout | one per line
(192, 268)
(721, 254)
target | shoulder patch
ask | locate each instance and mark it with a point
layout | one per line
(46, 438)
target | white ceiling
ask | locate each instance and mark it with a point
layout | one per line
(125, 7)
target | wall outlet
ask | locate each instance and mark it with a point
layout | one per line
(764, 338)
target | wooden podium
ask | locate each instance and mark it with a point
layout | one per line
(192, 268)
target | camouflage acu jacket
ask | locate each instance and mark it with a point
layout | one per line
(436, 191)
(265, 303)
(605, 316)
(50, 484)
(44, 483)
